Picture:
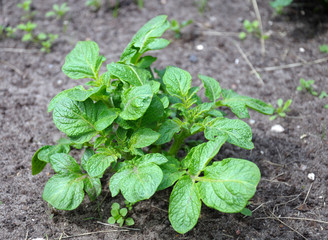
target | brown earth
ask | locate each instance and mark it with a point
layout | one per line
(29, 80)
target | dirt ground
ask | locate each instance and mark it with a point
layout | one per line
(287, 205)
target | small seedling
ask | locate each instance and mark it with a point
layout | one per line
(28, 29)
(201, 6)
(324, 48)
(323, 94)
(47, 42)
(140, 3)
(282, 109)
(119, 216)
(279, 5)
(59, 11)
(252, 28)
(93, 4)
(176, 27)
(10, 32)
(326, 106)
(26, 6)
(307, 85)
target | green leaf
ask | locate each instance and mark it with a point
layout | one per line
(111, 220)
(80, 94)
(83, 61)
(167, 131)
(143, 138)
(48, 151)
(37, 164)
(64, 191)
(201, 155)
(98, 163)
(77, 119)
(229, 184)
(177, 81)
(171, 173)
(185, 205)
(86, 156)
(146, 62)
(143, 40)
(238, 132)
(129, 74)
(105, 118)
(129, 221)
(246, 212)
(212, 87)
(64, 163)
(140, 181)
(239, 104)
(324, 48)
(201, 109)
(154, 112)
(123, 212)
(92, 186)
(135, 102)
(60, 96)
(115, 206)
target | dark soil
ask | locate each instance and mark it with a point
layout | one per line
(30, 79)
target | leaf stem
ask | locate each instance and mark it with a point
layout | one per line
(178, 141)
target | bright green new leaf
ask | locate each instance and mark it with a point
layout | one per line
(105, 118)
(92, 187)
(135, 102)
(229, 184)
(201, 109)
(48, 151)
(143, 138)
(83, 61)
(129, 74)
(239, 104)
(177, 81)
(143, 40)
(212, 87)
(167, 131)
(80, 94)
(185, 205)
(238, 132)
(98, 163)
(58, 98)
(64, 191)
(156, 158)
(201, 155)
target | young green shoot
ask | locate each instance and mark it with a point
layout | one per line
(307, 86)
(59, 11)
(323, 48)
(26, 6)
(119, 216)
(252, 28)
(176, 27)
(279, 5)
(282, 109)
(93, 4)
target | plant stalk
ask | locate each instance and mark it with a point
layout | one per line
(178, 141)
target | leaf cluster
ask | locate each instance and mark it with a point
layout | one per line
(59, 11)
(118, 215)
(252, 28)
(134, 121)
(27, 8)
(176, 27)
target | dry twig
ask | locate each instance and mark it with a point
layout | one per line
(258, 16)
(13, 67)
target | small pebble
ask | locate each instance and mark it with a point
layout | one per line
(163, 2)
(302, 50)
(234, 86)
(200, 47)
(320, 197)
(298, 126)
(277, 128)
(303, 167)
(311, 176)
(261, 152)
(193, 58)
(251, 121)
(59, 82)
(303, 136)
(270, 23)
(236, 61)
(38, 239)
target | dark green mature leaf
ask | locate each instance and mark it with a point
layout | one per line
(64, 163)
(37, 164)
(86, 156)
(138, 181)
(177, 81)
(154, 112)
(143, 137)
(167, 131)
(98, 163)
(129, 74)
(64, 191)
(239, 104)
(83, 61)
(146, 61)
(238, 132)
(212, 87)
(201, 155)
(78, 119)
(105, 118)
(135, 102)
(171, 173)
(92, 186)
(143, 40)
(229, 184)
(185, 205)
(58, 98)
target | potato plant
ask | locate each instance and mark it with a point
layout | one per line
(134, 124)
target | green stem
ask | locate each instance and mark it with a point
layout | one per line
(178, 141)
